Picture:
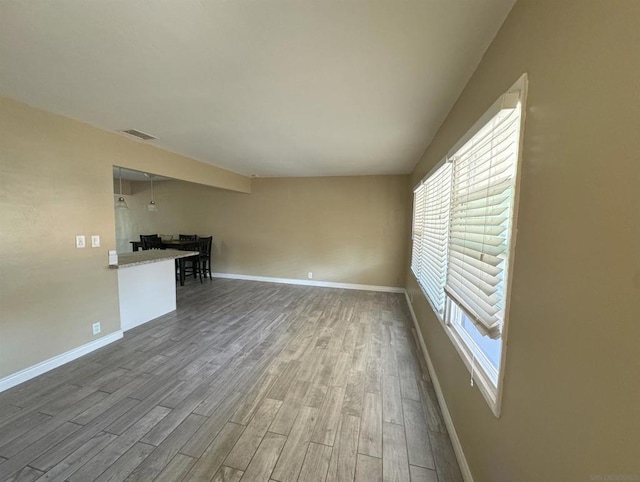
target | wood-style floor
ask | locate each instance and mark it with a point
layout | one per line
(246, 381)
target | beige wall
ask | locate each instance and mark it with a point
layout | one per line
(56, 181)
(343, 229)
(571, 404)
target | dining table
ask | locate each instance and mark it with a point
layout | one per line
(179, 244)
(168, 244)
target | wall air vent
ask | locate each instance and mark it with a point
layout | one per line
(138, 134)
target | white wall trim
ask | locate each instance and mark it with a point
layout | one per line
(448, 421)
(324, 284)
(58, 360)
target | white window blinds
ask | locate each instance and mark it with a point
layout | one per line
(431, 233)
(482, 207)
(418, 231)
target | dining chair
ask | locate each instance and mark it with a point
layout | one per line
(142, 236)
(188, 246)
(204, 256)
(150, 242)
(201, 263)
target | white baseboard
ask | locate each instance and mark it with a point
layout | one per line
(324, 284)
(448, 421)
(47, 365)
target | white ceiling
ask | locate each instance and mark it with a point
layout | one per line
(268, 88)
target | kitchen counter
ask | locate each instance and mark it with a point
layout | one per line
(147, 287)
(127, 260)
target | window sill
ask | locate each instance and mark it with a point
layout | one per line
(490, 392)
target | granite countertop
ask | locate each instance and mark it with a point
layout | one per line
(127, 260)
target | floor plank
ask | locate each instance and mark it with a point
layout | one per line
(70, 444)
(103, 460)
(212, 458)
(420, 474)
(70, 464)
(371, 426)
(247, 408)
(395, 462)
(19, 461)
(354, 394)
(418, 444)
(328, 418)
(373, 377)
(435, 420)
(292, 457)
(345, 450)
(20, 427)
(199, 442)
(126, 464)
(445, 459)
(227, 474)
(290, 407)
(391, 400)
(368, 469)
(155, 463)
(28, 474)
(50, 425)
(249, 442)
(176, 469)
(265, 458)
(316, 463)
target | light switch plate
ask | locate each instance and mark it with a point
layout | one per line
(80, 242)
(95, 241)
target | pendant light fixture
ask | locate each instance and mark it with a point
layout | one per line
(121, 203)
(152, 206)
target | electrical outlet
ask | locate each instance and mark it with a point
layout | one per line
(310, 275)
(95, 241)
(80, 243)
(96, 328)
(113, 257)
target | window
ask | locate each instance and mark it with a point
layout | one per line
(463, 225)
(431, 235)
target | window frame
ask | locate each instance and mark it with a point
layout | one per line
(476, 363)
